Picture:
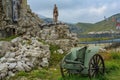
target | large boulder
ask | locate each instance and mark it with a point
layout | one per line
(3, 68)
(4, 47)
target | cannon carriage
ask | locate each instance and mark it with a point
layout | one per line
(83, 60)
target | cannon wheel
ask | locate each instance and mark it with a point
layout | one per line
(64, 72)
(96, 66)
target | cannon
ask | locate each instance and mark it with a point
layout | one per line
(84, 60)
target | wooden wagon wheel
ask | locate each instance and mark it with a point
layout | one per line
(64, 72)
(96, 66)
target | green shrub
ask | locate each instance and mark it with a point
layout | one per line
(115, 55)
(42, 73)
(19, 75)
(53, 48)
(112, 66)
(22, 73)
(55, 58)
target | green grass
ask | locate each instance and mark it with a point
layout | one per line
(8, 38)
(115, 56)
(92, 39)
(42, 41)
(55, 57)
(38, 74)
(53, 73)
(104, 25)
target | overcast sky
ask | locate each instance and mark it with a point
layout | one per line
(89, 11)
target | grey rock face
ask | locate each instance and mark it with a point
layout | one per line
(23, 54)
(59, 35)
(4, 45)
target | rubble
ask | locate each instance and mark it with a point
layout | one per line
(59, 35)
(28, 53)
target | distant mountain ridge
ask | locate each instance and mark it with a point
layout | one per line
(46, 19)
(72, 27)
(83, 28)
(104, 25)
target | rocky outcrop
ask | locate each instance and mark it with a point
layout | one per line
(29, 23)
(4, 45)
(24, 21)
(59, 35)
(23, 54)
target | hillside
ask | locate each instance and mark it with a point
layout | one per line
(72, 27)
(103, 25)
(84, 26)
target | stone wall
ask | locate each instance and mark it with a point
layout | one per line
(26, 22)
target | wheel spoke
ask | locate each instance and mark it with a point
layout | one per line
(91, 72)
(93, 68)
(100, 64)
(94, 59)
(98, 59)
(94, 74)
(92, 64)
(96, 66)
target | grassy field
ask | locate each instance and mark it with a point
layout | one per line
(112, 62)
(92, 39)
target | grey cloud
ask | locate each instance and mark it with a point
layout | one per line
(77, 10)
